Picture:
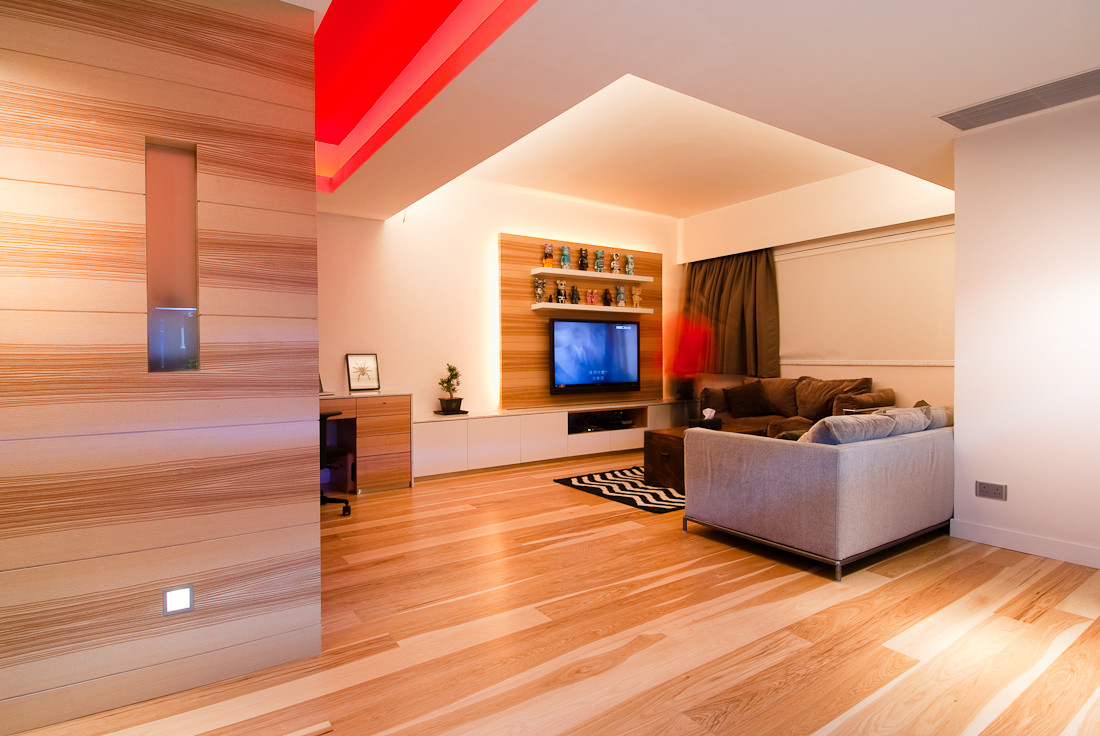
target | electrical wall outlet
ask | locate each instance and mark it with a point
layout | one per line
(991, 490)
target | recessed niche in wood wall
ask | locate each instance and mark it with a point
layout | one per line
(524, 332)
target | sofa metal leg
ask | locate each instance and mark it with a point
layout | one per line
(838, 573)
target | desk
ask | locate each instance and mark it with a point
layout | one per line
(378, 430)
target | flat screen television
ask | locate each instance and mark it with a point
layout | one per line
(588, 355)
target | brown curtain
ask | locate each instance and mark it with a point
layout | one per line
(737, 298)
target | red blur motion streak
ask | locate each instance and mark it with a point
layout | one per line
(361, 48)
(693, 344)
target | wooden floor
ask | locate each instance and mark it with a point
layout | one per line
(501, 603)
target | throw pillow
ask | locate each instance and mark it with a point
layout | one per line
(908, 420)
(849, 428)
(713, 398)
(747, 400)
(781, 395)
(814, 397)
(853, 402)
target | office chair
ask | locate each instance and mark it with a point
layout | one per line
(326, 459)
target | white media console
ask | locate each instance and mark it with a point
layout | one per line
(450, 444)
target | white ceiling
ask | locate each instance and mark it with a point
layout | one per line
(638, 145)
(864, 76)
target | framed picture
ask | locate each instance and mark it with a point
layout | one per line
(363, 371)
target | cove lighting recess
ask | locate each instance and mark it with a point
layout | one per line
(179, 600)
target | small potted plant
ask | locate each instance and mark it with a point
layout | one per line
(449, 383)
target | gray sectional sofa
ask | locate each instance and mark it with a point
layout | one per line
(851, 486)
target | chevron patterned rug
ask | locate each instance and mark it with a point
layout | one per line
(628, 486)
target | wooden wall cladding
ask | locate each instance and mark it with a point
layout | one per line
(117, 483)
(524, 336)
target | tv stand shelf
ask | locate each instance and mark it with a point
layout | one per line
(607, 420)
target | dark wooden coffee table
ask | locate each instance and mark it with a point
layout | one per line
(664, 453)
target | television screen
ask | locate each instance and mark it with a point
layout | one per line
(593, 356)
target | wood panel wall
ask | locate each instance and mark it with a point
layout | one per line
(114, 482)
(524, 333)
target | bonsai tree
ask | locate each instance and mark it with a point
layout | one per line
(449, 383)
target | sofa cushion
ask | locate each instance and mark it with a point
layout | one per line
(790, 434)
(908, 420)
(781, 395)
(942, 416)
(814, 397)
(790, 424)
(840, 430)
(747, 400)
(761, 423)
(856, 402)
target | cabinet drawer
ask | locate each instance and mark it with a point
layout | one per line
(385, 444)
(382, 424)
(346, 406)
(369, 406)
(384, 472)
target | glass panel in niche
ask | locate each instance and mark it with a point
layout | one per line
(173, 339)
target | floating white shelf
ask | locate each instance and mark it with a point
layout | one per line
(597, 275)
(555, 307)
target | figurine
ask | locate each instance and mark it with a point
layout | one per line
(607, 297)
(620, 296)
(592, 297)
(540, 290)
(614, 263)
(574, 295)
(565, 260)
(582, 262)
(599, 261)
(561, 292)
(636, 296)
(630, 265)
(548, 256)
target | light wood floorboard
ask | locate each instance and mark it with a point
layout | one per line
(501, 603)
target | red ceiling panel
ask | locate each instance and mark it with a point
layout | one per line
(360, 48)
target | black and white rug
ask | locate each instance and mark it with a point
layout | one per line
(628, 486)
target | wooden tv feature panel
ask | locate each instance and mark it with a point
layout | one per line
(524, 331)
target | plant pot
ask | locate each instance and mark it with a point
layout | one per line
(450, 406)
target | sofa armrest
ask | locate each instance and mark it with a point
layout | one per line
(894, 487)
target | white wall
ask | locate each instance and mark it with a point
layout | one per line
(862, 200)
(873, 305)
(1027, 345)
(422, 289)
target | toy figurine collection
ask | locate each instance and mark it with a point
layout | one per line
(592, 297)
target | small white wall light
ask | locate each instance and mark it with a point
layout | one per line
(178, 600)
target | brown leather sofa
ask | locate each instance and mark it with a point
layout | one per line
(786, 406)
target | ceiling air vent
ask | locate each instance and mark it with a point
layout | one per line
(1044, 96)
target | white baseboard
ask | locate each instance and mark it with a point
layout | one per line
(1058, 549)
